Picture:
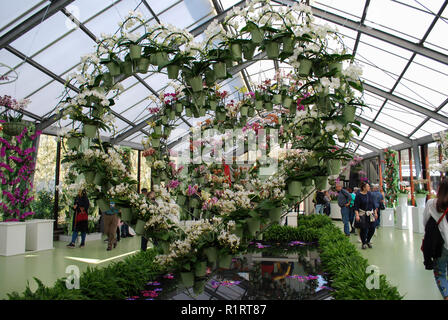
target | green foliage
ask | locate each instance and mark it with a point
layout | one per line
(43, 205)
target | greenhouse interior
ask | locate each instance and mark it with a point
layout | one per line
(223, 150)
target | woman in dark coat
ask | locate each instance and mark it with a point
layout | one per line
(80, 218)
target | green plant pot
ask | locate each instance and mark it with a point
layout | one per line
(98, 179)
(187, 279)
(220, 69)
(305, 67)
(165, 246)
(288, 45)
(277, 99)
(287, 102)
(194, 203)
(156, 180)
(212, 254)
(173, 71)
(114, 68)
(349, 113)
(221, 116)
(336, 66)
(162, 58)
(97, 111)
(199, 99)
(249, 50)
(324, 104)
(135, 51)
(126, 214)
(236, 51)
(269, 106)
(188, 112)
(259, 104)
(89, 130)
(181, 199)
(89, 176)
(107, 79)
(103, 204)
(292, 110)
(155, 143)
(73, 142)
(153, 59)
(243, 111)
(210, 77)
(307, 182)
(198, 287)
(257, 36)
(321, 182)
(167, 131)
(143, 65)
(200, 269)
(158, 130)
(238, 232)
(273, 49)
(127, 68)
(275, 214)
(171, 114)
(294, 188)
(253, 226)
(195, 83)
(225, 261)
(334, 166)
(140, 227)
(251, 112)
(179, 107)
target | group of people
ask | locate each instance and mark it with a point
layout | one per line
(360, 209)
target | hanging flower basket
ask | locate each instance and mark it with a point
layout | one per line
(272, 49)
(98, 179)
(143, 65)
(287, 102)
(200, 269)
(288, 45)
(171, 114)
(155, 143)
(114, 68)
(249, 50)
(321, 182)
(127, 68)
(195, 83)
(153, 59)
(162, 58)
(107, 79)
(135, 51)
(305, 67)
(269, 106)
(188, 112)
(210, 77)
(140, 227)
(89, 130)
(179, 107)
(349, 113)
(211, 254)
(173, 71)
(251, 112)
(259, 104)
(158, 130)
(14, 128)
(294, 188)
(126, 214)
(307, 182)
(324, 104)
(103, 204)
(253, 225)
(187, 279)
(275, 214)
(73, 142)
(167, 131)
(220, 70)
(257, 35)
(236, 51)
(213, 104)
(243, 111)
(277, 99)
(333, 166)
(225, 261)
(199, 99)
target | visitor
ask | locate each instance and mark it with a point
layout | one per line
(327, 207)
(378, 200)
(351, 217)
(357, 230)
(435, 208)
(80, 218)
(344, 199)
(366, 215)
(319, 202)
(125, 230)
(110, 225)
(151, 196)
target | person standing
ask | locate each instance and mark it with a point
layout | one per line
(319, 202)
(366, 215)
(110, 225)
(352, 210)
(327, 207)
(344, 199)
(80, 218)
(435, 208)
(378, 199)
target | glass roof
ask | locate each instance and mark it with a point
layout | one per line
(56, 45)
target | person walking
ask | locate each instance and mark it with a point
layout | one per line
(366, 215)
(110, 225)
(319, 202)
(327, 207)
(352, 210)
(378, 199)
(435, 208)
(344, 199)
(80, 218)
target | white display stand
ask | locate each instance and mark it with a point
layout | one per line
(335, 211)
(12, 238)
(39, 234)
(404, 217)
(403, 200)
(89, 237)
(387, 218)
(292, 219)
(417, 219)
(420, 201)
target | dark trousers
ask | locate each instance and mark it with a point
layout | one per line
(124, 230)
(352, 216)
(367, 233)
(144, 244)
(378, 220)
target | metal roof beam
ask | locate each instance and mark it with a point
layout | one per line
(365, 145)
(33, 21)
(385, 130)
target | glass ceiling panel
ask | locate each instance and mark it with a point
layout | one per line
(15, 9)
(186, 13)
(130, 97)
(361, 150)
(46, 99)
(8, 59)
(380, 140)
(419, 95)
(376, 77)
(364, 129)
(430, 127)
(437, 39)
(432, 6)
(374, 103)
(411, 25)
(348, 9)
(404, 114)
(157, 5)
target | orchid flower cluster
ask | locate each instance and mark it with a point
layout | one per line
(14, 106)
(272, 188)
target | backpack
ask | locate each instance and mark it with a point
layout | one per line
(432, 242)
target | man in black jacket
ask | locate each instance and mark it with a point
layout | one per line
(344, 199)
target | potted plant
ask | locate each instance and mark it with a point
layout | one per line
(13, 115)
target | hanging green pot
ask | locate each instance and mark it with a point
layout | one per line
(249, 50)
(308, 182)
(153, 59)
(167, 131)
(98, 111)
(158, 130)
(127, 68)
(126, 214)
(140, 227)
(336, 66)
(254, 225)
(212, 254)
(243, 111)
(221, 116)
(89, 176)
(324, 104)
(198, 287)
(194, 203)
(89, 130)
(305, 67)
(229, 63)
(210, 77)
(268, 106)
(321, 182)
(275, 214)
(199, 99)
(213, 104)
(272, 49)
(259, 104)
(155, 143)
(288, 45)
(103, 204)
(179, 107)
(114, 68)
(220, 69)
(188, 112)
(98, 178)
(202, 112)
(294, 188)
(333, 166)
(165, 245)
(187, 279)
(73, 142)
(171, 114)
(224, 261)
(236, 51)
(143, 65)
(200, 269)
(349, 113)
(292, 110)
(181, 199)
(251, 112)
(135, 51)
(107, 79)
(238, 232)
(156, 180)
(195, 83)
(257, 35)
(287, 101)
(162, 58)
(173, 71)
(277, 99)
